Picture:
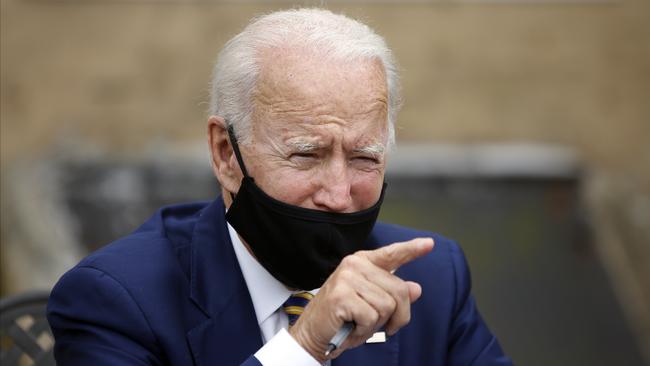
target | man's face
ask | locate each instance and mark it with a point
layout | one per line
(319, 131)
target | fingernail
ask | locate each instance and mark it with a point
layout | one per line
(426, 242)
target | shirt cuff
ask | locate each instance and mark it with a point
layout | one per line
(283, 350)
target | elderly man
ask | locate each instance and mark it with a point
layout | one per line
(302, 113)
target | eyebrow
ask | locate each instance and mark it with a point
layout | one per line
(306, 147)
(303, 146)
(374, 149)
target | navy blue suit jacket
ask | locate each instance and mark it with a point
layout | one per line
(172, 293)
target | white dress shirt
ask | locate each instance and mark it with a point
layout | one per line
(268, 295)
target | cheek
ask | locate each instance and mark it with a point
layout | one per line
(288, 185)
(366, 189)
(298, 187)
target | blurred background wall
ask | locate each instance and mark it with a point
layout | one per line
(125, 81)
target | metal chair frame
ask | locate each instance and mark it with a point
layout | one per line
(25, 335)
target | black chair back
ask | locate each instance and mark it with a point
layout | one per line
(25, 335)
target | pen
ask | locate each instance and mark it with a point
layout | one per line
(340, 337)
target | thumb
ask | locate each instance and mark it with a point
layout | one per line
(415, 291)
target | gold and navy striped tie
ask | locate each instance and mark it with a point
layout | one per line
(295, 305)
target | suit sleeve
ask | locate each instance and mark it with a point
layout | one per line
(95, 321)
(471, 341)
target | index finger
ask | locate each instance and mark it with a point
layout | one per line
(393, 256)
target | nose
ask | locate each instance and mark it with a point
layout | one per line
(333, 193)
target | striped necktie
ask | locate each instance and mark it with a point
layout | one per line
(295, 305)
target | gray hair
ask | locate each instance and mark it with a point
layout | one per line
(337, 36)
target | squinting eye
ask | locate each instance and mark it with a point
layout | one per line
(303, 155)
(367, 159)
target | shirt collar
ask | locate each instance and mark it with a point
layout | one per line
(267, 293)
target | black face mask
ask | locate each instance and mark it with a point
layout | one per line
(300, 247)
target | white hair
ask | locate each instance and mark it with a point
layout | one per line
(331, 35)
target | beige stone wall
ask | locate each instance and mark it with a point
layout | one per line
(122, 74)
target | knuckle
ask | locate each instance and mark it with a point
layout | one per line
(346, 275)
(340, 313)
(339, 296)
(373, 318)
(366, 320)
(390, 252)
(387, 306)
(345, 262)
(383, 316)
(350, 261)
(362, 253)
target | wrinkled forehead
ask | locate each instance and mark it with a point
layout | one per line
(299, 83)
(288, 63)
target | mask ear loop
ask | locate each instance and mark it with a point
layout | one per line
(235, 148)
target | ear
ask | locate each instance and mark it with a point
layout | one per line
(224, 163)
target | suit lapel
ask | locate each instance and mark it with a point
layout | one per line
(230, 333)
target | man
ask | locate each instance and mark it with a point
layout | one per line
(302, 112)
